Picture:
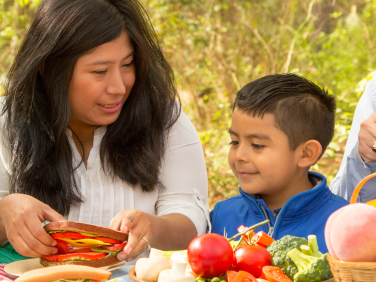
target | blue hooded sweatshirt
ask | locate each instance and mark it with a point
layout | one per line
(304, 214)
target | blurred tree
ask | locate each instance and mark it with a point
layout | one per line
(220, 46)
(15, 17)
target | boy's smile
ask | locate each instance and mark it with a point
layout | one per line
(262, 160)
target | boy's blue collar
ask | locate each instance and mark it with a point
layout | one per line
(297, 205)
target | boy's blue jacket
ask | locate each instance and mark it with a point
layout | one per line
(302, 215)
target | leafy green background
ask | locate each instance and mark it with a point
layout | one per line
(217, 46)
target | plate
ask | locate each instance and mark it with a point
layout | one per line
(18, 268)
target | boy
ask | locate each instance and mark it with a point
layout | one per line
(281, 125)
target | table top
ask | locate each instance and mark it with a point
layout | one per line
(122, 273)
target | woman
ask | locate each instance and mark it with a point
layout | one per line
(359, 159)
(92, 132)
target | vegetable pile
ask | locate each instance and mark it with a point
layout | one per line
(279, 250)
(257, 257)
(245, 257)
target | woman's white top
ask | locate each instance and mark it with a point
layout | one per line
(353, 169)
(183, 174)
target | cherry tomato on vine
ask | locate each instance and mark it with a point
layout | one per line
(210, 255)
(251, 258)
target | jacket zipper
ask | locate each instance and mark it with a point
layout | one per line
(270, 228)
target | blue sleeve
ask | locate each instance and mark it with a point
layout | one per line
(353, 169)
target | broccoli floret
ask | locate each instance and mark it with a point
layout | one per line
(311, 268)
(306, 250)
(279, 250)
(312, 243)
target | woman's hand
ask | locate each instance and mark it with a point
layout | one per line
(367, 136)
(21, 217)
(137, 224)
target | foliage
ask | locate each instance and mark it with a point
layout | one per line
(15, 17)
(217, 46)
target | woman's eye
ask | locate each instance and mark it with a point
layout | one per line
(234, 143)
(128, 65)
(100, 72)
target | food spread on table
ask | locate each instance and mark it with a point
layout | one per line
(247, 256)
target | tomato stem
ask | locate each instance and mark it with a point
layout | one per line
(249, 229)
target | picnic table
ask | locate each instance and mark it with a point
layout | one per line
(122, 273)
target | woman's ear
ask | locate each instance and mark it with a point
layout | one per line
(311, 152)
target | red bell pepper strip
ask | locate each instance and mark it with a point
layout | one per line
(262, 238)
(63, 257)
(274, 274)
(108, 240)
(244, 276)
(63, 247)
(72, 235)
(230, 275)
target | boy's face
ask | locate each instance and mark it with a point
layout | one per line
(260, 156)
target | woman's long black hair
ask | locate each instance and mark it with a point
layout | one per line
(38, 111)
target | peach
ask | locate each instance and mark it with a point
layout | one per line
(328, 231)
(350, 233)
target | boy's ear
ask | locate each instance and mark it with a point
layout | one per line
(311, 151)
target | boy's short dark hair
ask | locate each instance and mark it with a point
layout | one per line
(302, 110)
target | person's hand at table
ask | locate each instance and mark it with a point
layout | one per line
(137, 224)
(21, 218)
(367, 139)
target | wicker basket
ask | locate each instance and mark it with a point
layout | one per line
(344, 271)
(132, 275)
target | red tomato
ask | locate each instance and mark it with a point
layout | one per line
(251, 258)
(244, 276)
(230, 275)
(63, 247)
(210, 255)
(50, 257)
(274, 274)
(89, 256)
(108, 240)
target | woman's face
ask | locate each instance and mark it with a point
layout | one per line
(101, 83)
